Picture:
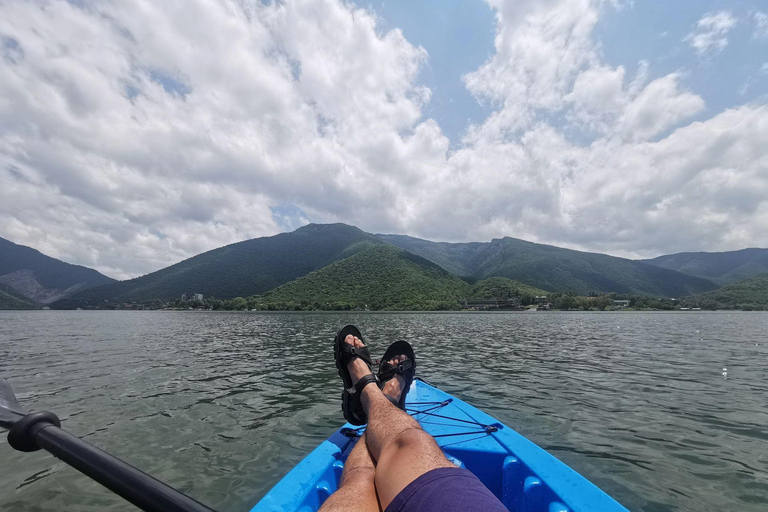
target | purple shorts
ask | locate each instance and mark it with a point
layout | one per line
(446, 490)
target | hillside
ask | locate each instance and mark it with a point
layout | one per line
(40, 278)
(553, 268)
(10, 299)
(379, 278)
(721, 267)
(748, 294)
(457, 258)
(238, 270)
(503, 288)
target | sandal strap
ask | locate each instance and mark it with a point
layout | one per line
(357, 389)
(348, 353)
(392, 370)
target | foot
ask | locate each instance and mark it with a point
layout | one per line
(393, 388)
(357, 367)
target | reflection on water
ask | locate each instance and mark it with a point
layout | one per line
(221, 405)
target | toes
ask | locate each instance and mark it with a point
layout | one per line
(354, 341)
(397, 360)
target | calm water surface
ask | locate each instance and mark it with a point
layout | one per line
(222, 405)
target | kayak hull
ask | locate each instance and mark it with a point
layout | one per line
(522, 475)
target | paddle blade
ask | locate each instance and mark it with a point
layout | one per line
(10, 409)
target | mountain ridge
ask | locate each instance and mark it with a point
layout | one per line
(43, 279)
(237, 270)
(256, 266)
(11, 299)
(728, 267)
(553, 268)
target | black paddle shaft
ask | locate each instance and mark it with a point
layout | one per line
(142, 490)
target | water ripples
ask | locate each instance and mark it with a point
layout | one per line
(221, 405)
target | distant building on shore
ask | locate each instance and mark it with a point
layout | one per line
(621, 303)
(541, 299)
(189, 297)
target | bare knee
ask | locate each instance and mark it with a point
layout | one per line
(415, 440)
(357, 475)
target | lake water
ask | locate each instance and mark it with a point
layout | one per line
(222, 405)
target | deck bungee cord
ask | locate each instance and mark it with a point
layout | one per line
(419, 415)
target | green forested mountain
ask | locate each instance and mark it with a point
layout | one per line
(10, 299)
(380, 278)
(39, 278)
(504, 288)
(241, 269)
(721, 267)
(257, 266)
(553, 268)
(458, 258)
(748, 294)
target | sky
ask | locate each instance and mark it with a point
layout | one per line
(136, 134)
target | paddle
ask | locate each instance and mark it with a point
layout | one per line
(33, 431)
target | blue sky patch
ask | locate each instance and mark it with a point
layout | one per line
(11, 49)
(288, 216)
(458, 35)
(171, 84)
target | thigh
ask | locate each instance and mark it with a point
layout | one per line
(404, 460)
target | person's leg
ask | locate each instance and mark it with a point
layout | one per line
(401, 450)
(356, 490)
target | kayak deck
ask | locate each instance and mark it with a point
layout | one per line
(522, 475)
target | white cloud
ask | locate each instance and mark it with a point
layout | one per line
(659, 106)
(761, 24)
(540, 47)
(711, 33)
(638, 111)
(135, 134)
(298, 100)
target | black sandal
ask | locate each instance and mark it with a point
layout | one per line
(343, 352)
(407, 369)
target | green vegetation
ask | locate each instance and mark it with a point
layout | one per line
(336, 266)
(553, 268)
(237, 270)
(379, 278)
(721, 267)
(39, 278)
(503, 288)
(460, 259)
(603, 302)
(750, 294)
(10, 299)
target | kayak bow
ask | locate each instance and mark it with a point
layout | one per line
(522, 475)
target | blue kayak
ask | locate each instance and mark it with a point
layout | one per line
(521, 474)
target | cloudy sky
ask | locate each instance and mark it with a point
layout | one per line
(136, 134)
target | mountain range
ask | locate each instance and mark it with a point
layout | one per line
(338, 263)
(749, 294)
(11, 299)
(721, 267)
(552, 268)
(29, 275)
(238, 270)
